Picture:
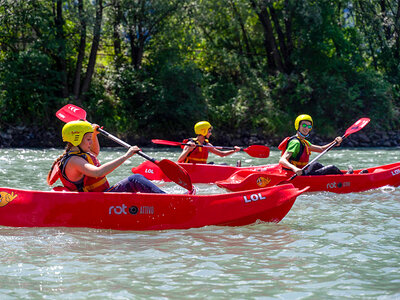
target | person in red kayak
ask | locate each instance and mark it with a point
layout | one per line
(296, 151)
(192, 153)
(79, 169)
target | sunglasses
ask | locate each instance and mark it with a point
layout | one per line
(306, 126)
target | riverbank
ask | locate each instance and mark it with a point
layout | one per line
(36, 137)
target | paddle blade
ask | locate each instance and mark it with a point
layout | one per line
(164, 142)
(70, 113)
(257, 151)
(176, 173)
(360, 124)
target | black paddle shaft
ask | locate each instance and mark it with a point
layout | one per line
(126, 145)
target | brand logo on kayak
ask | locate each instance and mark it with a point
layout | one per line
(133, 210)
(396, 172)
(5, 198)
(149, 171)
(262, 181)
(334, 185)
(253, 197)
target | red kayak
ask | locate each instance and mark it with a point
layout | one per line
(199, 173)
(347, 183)
(128, 211)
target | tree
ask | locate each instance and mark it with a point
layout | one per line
(379, 21)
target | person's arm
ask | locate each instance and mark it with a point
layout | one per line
(316, 148)
(186, 150)
(95, 147)
(79, 166)
(223, 153)
(284, 161)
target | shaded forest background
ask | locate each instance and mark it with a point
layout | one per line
(152, 69)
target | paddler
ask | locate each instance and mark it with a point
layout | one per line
(192, 153)
(79, 169)
(296, 151)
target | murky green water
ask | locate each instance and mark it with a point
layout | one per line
(329, 246)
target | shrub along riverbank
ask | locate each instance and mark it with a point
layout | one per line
(35, 137)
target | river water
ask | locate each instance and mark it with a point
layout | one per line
(329, 246)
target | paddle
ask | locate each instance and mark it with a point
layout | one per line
(173, 171)
(360, 124)
(253, 150)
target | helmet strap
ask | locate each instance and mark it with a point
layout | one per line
(80, 149)
(201, 137)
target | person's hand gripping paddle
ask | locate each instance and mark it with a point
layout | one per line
(259, 151)
(173, 171)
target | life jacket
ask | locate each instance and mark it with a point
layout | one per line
(197, 155)
(87, 183)
(303, 157)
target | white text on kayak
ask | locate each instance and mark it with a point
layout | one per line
(253, 197)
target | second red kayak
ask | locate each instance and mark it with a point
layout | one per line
(199, 173)
(370, 178)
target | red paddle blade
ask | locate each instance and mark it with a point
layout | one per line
(164, 142)
(176, 173)
(257, 151)
(70, 113)
(360, 124)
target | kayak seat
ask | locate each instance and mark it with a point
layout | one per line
(378, 170)
(60, 189)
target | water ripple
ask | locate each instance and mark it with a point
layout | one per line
(329, 246)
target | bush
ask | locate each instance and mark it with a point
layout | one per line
(29, 89)
(165, 101)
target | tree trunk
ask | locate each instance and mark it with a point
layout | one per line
(81, 53)
(94, 49)
(60, 56)
(246, 39)
(137, 48)
(397, 30)
(283, 43)
(116, 36)
(118, 55)
(274, 57)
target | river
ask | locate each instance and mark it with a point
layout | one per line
(329, 246)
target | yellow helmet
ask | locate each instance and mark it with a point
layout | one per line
(302, 118)
(202, 127)
(74, 131)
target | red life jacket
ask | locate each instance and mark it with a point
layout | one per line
(303, 157)
(86, 184)
(197, 155)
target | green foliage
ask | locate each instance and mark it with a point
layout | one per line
(164, 101)
(29, 89)
(164, 65)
